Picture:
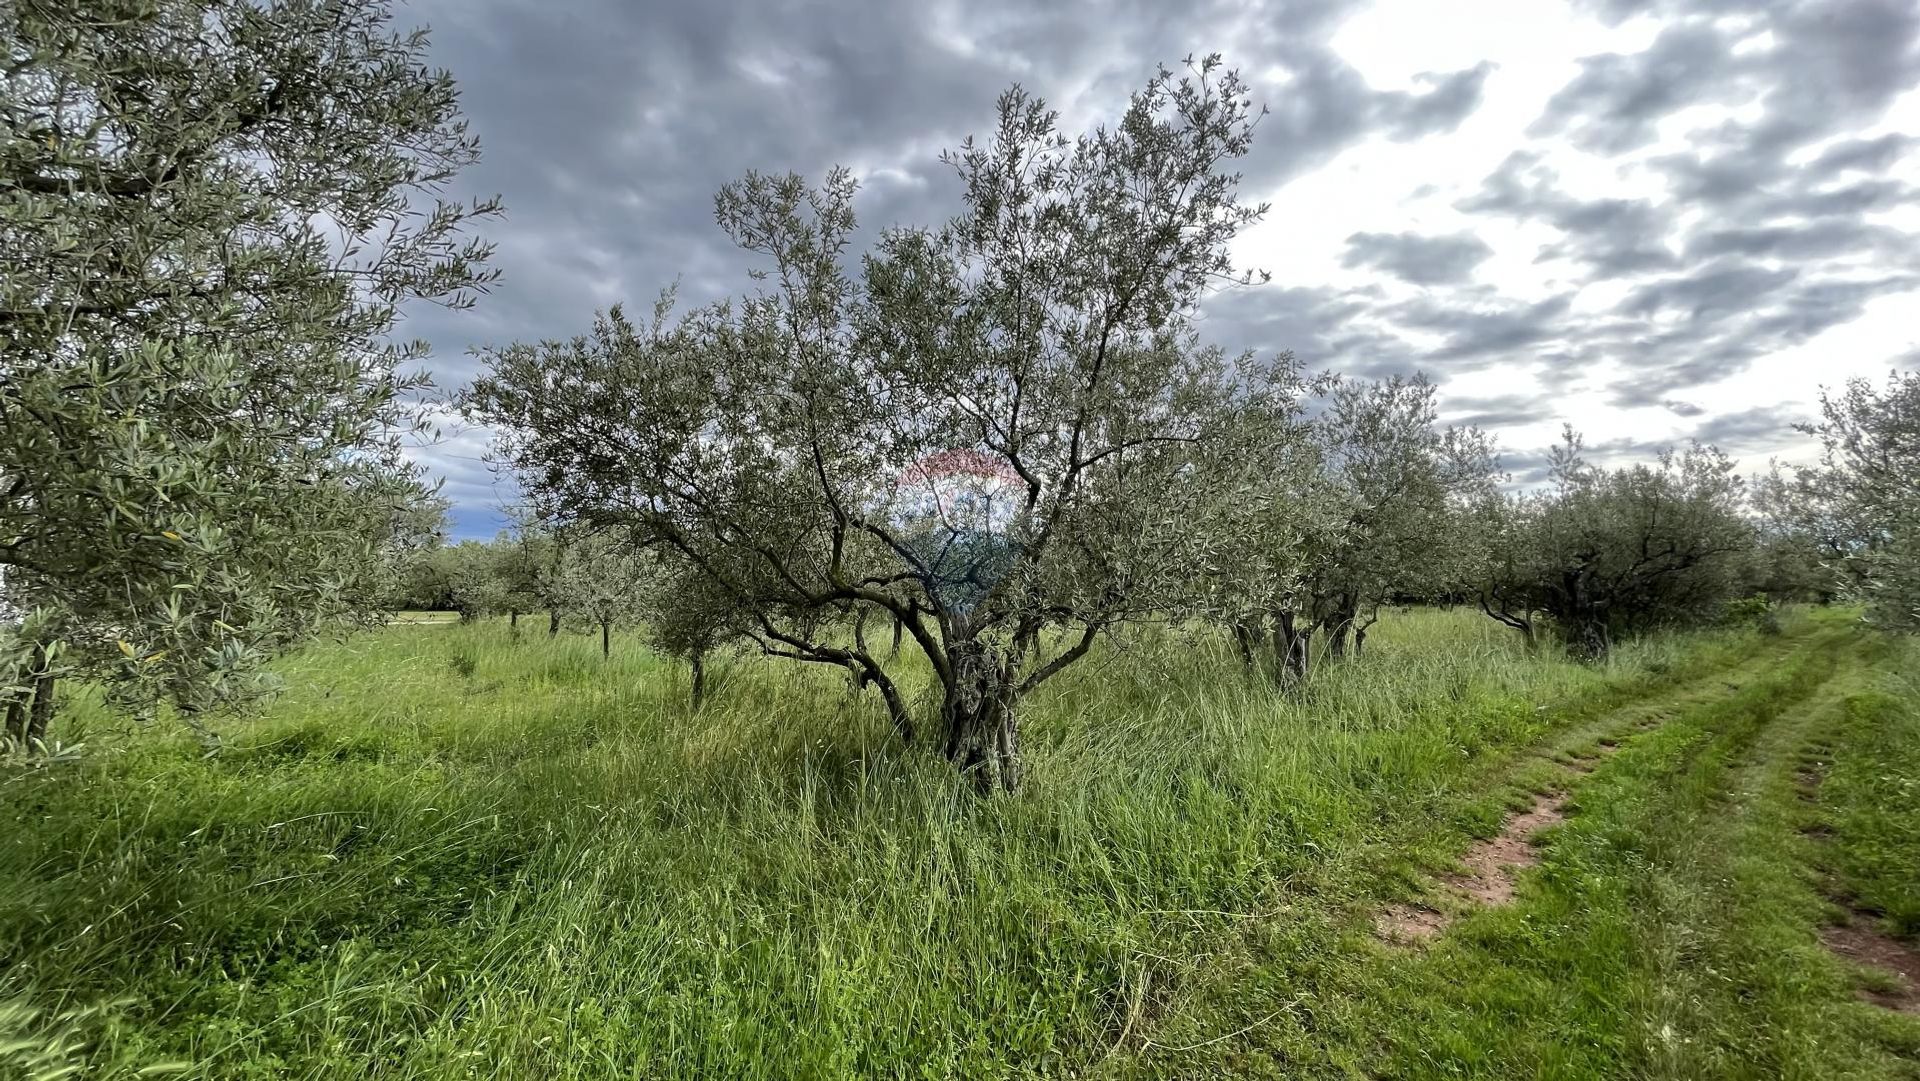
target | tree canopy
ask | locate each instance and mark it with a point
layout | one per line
(222, 203)
(994, 431)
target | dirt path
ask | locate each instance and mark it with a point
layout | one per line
(1490, 868)
(1644, 907)
(1491, 876)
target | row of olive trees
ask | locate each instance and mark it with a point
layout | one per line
(603, 579)
(1003, 437)
(211, 212)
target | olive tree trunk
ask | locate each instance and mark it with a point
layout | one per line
(42, 712)
(28, 718)
(1290, 645)
(699, 661)
(1337, 640)
(1588, 639)
(978, 716)
(1247, 640)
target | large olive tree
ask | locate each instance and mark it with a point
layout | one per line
(211, 211)
(998, 431)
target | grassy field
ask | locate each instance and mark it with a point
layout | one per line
(453, 852)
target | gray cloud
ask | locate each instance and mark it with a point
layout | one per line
(1710, 290)
(1615, 102)
(1495, 411)
(607, 127)
(1782, 250)
(1444, 101)
(1611, 237)
(1750, 430)
(1502, 331)
(1422, 260)
(1867, 155)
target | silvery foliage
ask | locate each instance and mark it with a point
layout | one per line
(211, 212)
(1861, 502)
(774, 442)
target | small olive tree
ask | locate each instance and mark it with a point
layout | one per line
(1509, 579)
(692, 616)
(603, 579)
(1371, 505)
(211, 211)
(995, 431)
(1403, 487)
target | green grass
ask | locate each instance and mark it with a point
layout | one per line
(464, 853)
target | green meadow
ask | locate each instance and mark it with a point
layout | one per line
(469, 851)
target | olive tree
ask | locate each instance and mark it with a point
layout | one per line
(690, 615)
(212, 210)
(1402, 487)
(1788, 560)
(1373, 507)
(995, 431)
(1861, 502)
(1619, 551)
(604, 579)
(1510, 579)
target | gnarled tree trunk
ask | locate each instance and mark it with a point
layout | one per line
(1337, 639)
(1587, 638)
(699, 661)
(41, 714)
(553, 622)
(1244, 641)
(981, 728)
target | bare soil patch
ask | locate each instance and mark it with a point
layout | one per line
(1871, 949)
(1491, 876)
(1404, 923)
(1493, 866)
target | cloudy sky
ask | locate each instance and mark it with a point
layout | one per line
(1654, 219)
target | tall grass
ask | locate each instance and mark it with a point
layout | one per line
(456, 851)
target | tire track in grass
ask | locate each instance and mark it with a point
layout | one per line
(1300, 957)
(1491, 867)
(1671, 930)
(1891, 968)
(1621, 956)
